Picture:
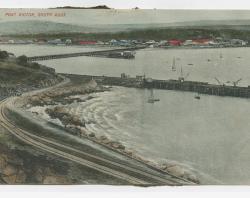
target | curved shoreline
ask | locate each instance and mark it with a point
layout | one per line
(120, 149)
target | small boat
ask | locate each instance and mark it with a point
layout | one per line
(151, 98)
(197, 97)
(173, 65)
(238, 57)
(208, 60)
(190, 64)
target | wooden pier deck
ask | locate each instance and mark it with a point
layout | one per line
(103, 53)
(190, 86)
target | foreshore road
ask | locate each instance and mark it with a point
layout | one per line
(135, 175)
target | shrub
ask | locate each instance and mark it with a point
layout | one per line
(22, 60)
(3, 55)
(35, 66)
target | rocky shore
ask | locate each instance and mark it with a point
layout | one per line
(62, 95)
(56, 102)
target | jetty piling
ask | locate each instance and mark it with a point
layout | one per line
(177, 85)
(114, 53)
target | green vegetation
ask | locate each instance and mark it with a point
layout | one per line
(155, 34)
(13, 73)
(18, 71)
(3, 55)
(22, 60)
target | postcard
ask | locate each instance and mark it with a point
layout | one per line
(135, 97)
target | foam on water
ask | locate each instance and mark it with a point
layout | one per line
(118, 116)
(210, 135)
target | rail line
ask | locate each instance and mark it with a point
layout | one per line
(138, 177)
(20, 135)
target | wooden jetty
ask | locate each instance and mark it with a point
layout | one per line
(114, 53)
(199, 87)
(178, 85)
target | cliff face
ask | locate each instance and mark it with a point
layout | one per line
(21, 167)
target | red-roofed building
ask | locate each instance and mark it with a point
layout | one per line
(202, 41)
(175, 42)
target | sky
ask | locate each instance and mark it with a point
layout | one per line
(127, 4)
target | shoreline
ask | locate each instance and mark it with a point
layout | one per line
(122, 47)
(77, 130)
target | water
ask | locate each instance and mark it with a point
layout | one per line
(156, 63)
(210, 136)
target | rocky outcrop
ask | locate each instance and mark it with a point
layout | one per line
(63, 95)
(15, 169)
(66, 118)
(180, 171)
(76, 126)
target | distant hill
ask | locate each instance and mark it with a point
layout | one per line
(48, 27)
(36, 27)
(94, 7)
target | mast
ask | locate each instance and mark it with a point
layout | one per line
(151, 94)
(221, 55)
(173, 65)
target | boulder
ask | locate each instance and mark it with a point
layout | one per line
(176, 170)
(83, 132)
(91, 135)
(106, 141)
(117, 145)
(130, 153)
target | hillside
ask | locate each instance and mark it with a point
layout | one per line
(12, 73)
(48, 27)
(94, 7)
(17, 77)
(35, 27)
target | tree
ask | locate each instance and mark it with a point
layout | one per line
(3, 55)
(22, 60)
(35, 66)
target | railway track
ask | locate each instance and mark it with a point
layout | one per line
(130, 174)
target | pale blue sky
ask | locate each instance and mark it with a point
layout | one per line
(160, 4)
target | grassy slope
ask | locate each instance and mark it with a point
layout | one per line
(12, 73)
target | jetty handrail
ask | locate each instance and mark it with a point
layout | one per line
(177, 85)
(75, 54)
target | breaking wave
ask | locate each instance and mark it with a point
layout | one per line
(116, 115)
